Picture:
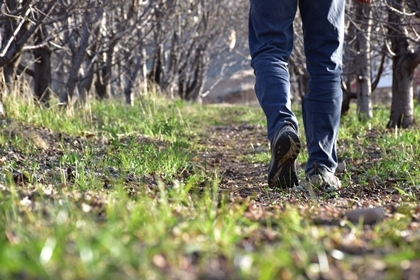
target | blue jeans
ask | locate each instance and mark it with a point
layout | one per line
(271, 42)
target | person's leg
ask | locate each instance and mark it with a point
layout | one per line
(323, 25)
(270, 43)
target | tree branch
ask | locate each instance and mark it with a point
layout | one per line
(13, 49)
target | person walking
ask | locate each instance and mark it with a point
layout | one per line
(271, 42)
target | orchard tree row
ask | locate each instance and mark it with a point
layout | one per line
(79, 48)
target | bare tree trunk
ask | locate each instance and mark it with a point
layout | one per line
(195, 80)
(155, 74)
(102, 84)
(347, 97)
(2, 87)
(405, 61)
(128, 91)
(42, 70)
(301, 79)
(2, 111)
(104, 75)
(192, 73)
(402, 106)
(10, 73)
(79, 56)
(363, 63)
(86, 83)
(103, 78)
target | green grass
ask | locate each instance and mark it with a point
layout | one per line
(122, 195)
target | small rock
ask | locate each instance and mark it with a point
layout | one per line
(369, 216)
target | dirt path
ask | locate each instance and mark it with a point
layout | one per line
(226, 152)
(235, 152)
(230, 150)
(240, 154)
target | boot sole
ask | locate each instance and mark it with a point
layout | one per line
(282, 173)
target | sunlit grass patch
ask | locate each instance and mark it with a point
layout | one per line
(72, 235)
